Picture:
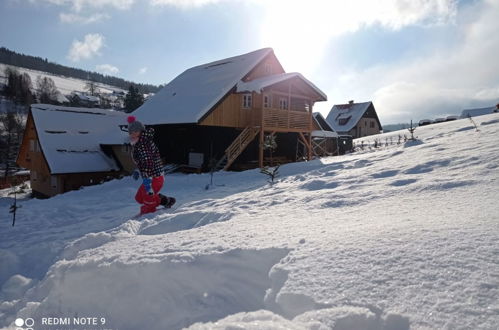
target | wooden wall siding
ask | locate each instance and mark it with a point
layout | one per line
(28, 158)
(269, 66)
(315, 126)
(363, 128)
(229, 113)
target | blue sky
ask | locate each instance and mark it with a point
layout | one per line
(414, 58)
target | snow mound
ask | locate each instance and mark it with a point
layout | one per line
(339, 318)
(174, 291)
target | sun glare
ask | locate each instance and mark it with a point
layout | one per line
(300, 31)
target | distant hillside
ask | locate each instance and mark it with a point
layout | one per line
(395, 127)
(37, 63)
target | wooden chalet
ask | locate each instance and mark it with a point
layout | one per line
(220, 113)
(355, 119)
(67, 148)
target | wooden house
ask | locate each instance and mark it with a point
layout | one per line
(67, 148)
(355, 119)
(223, 110)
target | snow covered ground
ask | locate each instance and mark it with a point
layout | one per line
(404, 236)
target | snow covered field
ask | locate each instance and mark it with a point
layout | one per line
(65, 85)
(402, 237)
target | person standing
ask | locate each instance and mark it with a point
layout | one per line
(147, 158)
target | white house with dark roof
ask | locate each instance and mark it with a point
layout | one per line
(218, 109)
(66, 148)
(355, 119)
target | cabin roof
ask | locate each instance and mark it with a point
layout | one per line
(344, 117)
(70, 138)
(257, 85)
(322, 122)
(192, 94)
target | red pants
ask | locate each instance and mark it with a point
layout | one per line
(150, 202)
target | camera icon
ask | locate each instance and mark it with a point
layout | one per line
(24, 324)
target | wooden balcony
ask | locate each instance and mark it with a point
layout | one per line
(282, 120)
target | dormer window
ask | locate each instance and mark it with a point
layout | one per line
(247, 101)
(344, 121)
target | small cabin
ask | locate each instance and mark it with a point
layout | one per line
(221, 112)
(66, 148)
(355, 119)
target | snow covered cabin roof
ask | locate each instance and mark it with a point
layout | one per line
(477, 112)
(70, 138)
(344, 117)
(257, 85)
(192, 94)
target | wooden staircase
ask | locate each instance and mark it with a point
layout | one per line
(237, 147)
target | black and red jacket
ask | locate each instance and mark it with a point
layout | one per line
(146, 155)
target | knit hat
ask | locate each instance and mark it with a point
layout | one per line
(134, 125)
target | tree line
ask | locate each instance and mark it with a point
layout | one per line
(37, 63)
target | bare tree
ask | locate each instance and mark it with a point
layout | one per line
(47, 92)
(91, 87)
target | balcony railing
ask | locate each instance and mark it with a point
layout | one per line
(282, 119)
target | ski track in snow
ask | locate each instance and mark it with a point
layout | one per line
(401, 236)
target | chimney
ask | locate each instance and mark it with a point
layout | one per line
(350, 102)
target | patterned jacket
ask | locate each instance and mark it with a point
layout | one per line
(146, 155)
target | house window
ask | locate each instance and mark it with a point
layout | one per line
(283, 103)
(247, 101)
(268, 68)
(372, 124)
(267, 101)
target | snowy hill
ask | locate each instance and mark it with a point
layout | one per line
(65, 85)
(401, 237)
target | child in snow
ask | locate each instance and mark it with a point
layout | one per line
(146, 156)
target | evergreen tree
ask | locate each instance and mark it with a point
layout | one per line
(133, 99)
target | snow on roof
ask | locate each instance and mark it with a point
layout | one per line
(257, 85)
(477, 112)
(70, 138)
(343, 117)
(324, 134)
(188, 97)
